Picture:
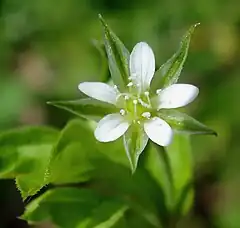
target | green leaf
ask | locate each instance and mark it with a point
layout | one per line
(135, 140)
(172, 169)
(140, 190)
(134, 219)
(180, 157)
(158, 165)
(170, 71)
(86, 108)
(27, 136)
(185, 200)
(118, 57)
(70, 159)
(106, 215)
(29, 184)
(85, 208)
(182, 122)
(24, 155)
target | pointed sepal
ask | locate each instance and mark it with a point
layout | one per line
(170, 71)
(182, 122)
(118, 57)
(135, 140)
(87, 108)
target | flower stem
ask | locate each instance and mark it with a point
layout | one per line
(165, 158)
(171, 220)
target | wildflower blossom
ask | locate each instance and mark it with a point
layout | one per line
(137, 104)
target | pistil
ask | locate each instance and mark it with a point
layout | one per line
(135, 108)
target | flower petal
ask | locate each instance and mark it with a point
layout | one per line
(111, 127)
(99, 91)
(158, 131)
(142, 65)
(177, 95)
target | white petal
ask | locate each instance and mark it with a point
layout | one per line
(142, 65)
(158, 131)
(99, 91)
(111, 127)
(177, 95)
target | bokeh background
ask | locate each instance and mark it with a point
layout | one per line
(47, 48)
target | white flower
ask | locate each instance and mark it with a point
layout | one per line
(138, 105)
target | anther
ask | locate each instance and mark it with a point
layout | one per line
(158, 91)
(146, 115)
(122, 112)
(138, 122)
(115, 87)
(126, 97)
(146, 93)
(130, 84)
(135, 102)
(143, 103)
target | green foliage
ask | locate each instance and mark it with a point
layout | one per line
(170, 71)
(160, 171)
(165, 173)
(32, 26)
(65, 159)
(118, 57)
(70, 162)
(172, 170)
(68, 207)
(155, 194)
(180, 160)
(184, 123)
(36, 159)
(70, 158)
(24, 155)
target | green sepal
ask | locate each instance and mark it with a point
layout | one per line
(87, 107)
(135, 140)
(182, 122)
(170, 71)
(118, 57)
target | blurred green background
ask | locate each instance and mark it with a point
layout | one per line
(46, 49)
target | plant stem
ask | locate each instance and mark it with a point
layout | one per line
(168, 168)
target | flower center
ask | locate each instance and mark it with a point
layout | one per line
(136, 108)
